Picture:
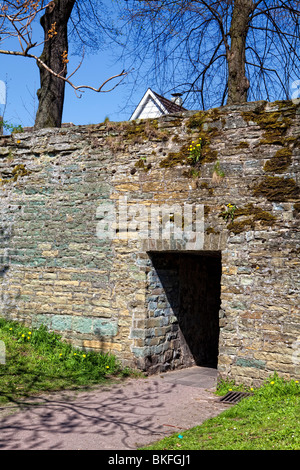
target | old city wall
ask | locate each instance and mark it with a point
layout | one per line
(129, 296)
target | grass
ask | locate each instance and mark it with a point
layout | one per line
(38, 361)
(267, 420)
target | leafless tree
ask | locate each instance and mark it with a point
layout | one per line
(218, 52)
(17, 22)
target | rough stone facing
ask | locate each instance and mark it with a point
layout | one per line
(106, 294)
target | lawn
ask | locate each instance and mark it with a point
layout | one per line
(38, 361)
(267, 420)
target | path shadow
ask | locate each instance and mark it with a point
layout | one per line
(93, 420)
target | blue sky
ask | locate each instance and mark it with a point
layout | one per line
(21, 76)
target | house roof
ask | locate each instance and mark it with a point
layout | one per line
(153, 105)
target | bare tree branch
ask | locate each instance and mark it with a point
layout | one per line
(232, 28)
(22, 33)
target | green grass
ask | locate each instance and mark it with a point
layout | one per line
(267, 420)
(38, 361)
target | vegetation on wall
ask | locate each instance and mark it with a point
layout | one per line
(275, 188)
(252, 217)
(280, 162)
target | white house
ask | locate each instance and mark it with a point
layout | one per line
(153, 106)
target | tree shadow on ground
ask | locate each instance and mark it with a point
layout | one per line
(108, 419)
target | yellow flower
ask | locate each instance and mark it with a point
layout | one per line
(296, 381)
(29, 332)
(272, 383)
(83, 355)
(75, 354)
(10, 328)
(107, 367)
(23, 336)
(28, 337)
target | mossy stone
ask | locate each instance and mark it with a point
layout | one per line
(276, 188)
(254, 215)
(280, 162)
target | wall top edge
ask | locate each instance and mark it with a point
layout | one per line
(261, 105)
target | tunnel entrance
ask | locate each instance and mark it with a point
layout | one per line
(184, 291)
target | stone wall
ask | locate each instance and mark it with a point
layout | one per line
(151, 301)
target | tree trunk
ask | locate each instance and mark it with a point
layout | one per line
(238, 84)
(52, 90)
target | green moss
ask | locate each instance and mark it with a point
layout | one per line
(283, 104)
(274, 123)
(268, 120)
(275, 188)
(18, 172)
(214, 114)
(280, 162)
(174, 158)
(209, 156)
(177, 122)
(137, 131)
(254, 216)
(206, 186)
(210, 230)
(177, 140)
(141, 165)
(238, 227)
(243, 145)
(297, 206)
(197, 120)
(142, 129)
(296, 211)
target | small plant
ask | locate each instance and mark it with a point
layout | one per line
(195, 151)
(13, 128)
(229, 212)
(225, 386)
(218, 173)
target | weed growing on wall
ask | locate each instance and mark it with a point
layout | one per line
(12, 128)
(229, 212)
(195, 151)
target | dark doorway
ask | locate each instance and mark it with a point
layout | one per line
(188, 288)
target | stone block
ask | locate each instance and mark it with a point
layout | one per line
(61, 322)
